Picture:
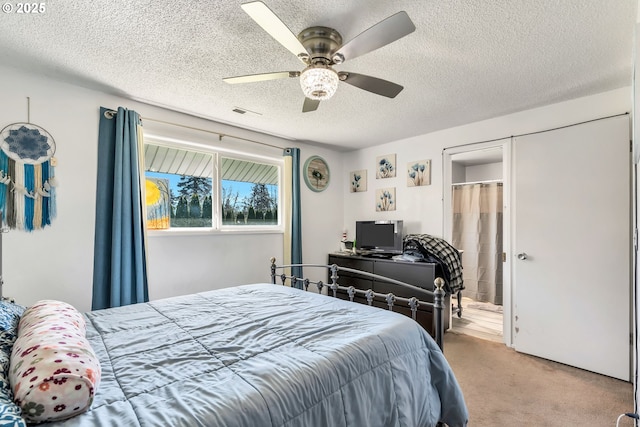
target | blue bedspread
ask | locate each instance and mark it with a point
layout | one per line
(267, 355)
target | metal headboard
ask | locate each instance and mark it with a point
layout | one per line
(370, 295)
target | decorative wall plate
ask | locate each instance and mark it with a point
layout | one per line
(316, 173)
(27, 143)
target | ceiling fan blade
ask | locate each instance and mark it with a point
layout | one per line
(261, 77)
(372, 84)
(384, 32)
(310, 105)
(270, 22)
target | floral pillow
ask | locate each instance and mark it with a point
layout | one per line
(54, 371)
(10, 413)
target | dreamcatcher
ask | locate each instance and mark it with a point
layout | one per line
(27, 176)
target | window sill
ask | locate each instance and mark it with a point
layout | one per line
(213, 231)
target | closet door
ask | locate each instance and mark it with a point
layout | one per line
(572, 249)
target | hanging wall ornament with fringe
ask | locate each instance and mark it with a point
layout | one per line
(27, 176)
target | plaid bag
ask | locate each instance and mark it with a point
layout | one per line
(435, 249)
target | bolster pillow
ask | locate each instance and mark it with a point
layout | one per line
(53, 372)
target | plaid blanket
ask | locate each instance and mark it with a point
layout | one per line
(440, 251)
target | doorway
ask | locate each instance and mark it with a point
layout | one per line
(475, 196)
(567, 240)
(477, 211)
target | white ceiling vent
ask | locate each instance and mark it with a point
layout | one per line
(241, 110)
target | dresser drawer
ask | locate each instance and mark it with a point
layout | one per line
(363, 282)
(400, 291)
(416, 274)
(348, 262)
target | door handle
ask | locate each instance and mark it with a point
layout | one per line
(522, 256)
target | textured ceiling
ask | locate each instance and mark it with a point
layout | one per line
(468, 60)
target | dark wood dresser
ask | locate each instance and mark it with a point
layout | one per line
(421, 274)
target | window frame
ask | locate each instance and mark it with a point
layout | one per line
(218, 152)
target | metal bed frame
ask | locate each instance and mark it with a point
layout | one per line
(391, 300)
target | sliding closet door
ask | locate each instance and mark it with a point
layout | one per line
(572, 246)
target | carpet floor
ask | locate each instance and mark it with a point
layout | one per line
(505, 388)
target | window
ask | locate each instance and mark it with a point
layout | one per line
(249, 193)
(181, 186)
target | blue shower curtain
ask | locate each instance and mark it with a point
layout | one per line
(293, 239)
(120, 270)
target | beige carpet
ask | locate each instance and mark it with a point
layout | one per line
(506, 388)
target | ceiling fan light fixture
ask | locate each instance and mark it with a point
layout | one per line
(319, 82)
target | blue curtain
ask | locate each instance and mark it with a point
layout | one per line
(296, 216)
(119, 268)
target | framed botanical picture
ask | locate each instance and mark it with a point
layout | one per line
(386, 166)
(358, 181)
(419, 173)
(385, 199)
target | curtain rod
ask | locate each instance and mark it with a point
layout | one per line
(537, 132)
(489, 181)
(220, 135)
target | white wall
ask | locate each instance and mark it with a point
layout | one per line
(476, 173)
(57, 262)
(486, 172)
(458, 172)
(421, 207)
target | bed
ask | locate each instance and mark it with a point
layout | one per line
(257, 355)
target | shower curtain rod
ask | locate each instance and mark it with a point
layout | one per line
(220, 134)
(490, 181)
(536, 132)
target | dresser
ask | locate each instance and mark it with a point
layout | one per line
(421, 274)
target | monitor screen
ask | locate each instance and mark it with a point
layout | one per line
(379, 236)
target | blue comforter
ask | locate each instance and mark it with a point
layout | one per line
(267, 355)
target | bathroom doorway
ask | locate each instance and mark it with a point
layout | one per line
(475, 216)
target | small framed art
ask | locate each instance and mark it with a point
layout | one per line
(386, 166)
(419, 173)
(385, 199)
(358, 181)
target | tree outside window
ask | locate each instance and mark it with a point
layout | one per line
(249, 190)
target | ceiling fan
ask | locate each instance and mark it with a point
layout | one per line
(320, 48)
